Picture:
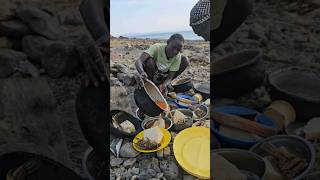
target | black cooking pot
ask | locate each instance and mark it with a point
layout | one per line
(237, 74)
(182, 85)
(298, 86)
(146, 97)
(124, 116)
(92, 110)
(12, 156)
(203, 89)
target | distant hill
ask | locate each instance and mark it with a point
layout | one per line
(188, 35)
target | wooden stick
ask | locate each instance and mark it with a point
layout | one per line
(243, 124)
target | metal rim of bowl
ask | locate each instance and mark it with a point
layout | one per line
(305, 142)
(153, 118)
(207, 112)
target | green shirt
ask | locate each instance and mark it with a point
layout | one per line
(157, 51)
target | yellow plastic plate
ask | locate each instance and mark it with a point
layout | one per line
(164, 143)
(191, 149)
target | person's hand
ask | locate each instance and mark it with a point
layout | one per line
(93, 62)
(163, 89)
(144, 76)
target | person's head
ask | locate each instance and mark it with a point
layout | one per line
(200, 19)
(174, 45)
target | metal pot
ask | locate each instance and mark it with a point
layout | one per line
(244, 160)
(203, 89)
(238, 73)
(294, 144)
(145, 99)
(150, 120)
(124, 116)
(182, 85)
(300, 87)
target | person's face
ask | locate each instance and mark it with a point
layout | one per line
(174, 47)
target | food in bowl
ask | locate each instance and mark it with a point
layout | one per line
(156, 122)
(152, 138)
(125, 126)
(178, 117)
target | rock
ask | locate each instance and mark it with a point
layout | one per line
(188, 177)
(115, 82)
(256, 32)
(159, 175)
(122, 68)
(135, 170)
(28, 68)
(127, 174)
(60, 59)
(128, 151)
(5, 43)
(152, 163)
(173, 135)
(146, 174)
(129, 162)
(160, 154)
(114, 162)
(13, 28)
(126, 78)
(6, 9)
(166, 152)
(41, 22)
(70, 17)
(9, 60)
(170, 169)
(134, 177)
(34, 47)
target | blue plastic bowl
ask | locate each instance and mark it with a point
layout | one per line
(184, 97)
(243, 112)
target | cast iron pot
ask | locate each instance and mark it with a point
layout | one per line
(203, 89)
(182, 85)
(92, 111)
(294, 144)
(145, 99)
(237, 74)
(300, 87)
(12, 156)
(125, 116)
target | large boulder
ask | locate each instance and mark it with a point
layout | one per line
(13, 28)
(9, 60)
(41, 22)
(34, 47)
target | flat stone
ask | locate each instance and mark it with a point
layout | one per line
(129, 162)
(9, 60)
(114, 162)
(13, 28)
(147, 174)
(41, 22)
(170, 169)
(128, 151)
(34, 47)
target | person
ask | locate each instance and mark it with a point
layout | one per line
(163, 62)
(228, 15)
(95, 15)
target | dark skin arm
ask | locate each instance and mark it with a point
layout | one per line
(139, 65)
(166, 85)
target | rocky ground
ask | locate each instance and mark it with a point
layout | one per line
(287, 32)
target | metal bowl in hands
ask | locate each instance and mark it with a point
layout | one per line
(150, 100)
(295, 145)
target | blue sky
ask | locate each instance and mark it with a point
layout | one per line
(140, 16)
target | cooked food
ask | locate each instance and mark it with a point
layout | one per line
(178, 117)
(162, 105)
(151, 139)
(225, 170)
(289, 164)
(312, 129)
(127, 127)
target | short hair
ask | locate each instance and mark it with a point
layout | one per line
(200, 13)
(176, 36)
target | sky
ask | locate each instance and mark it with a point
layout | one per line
(143, 16)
